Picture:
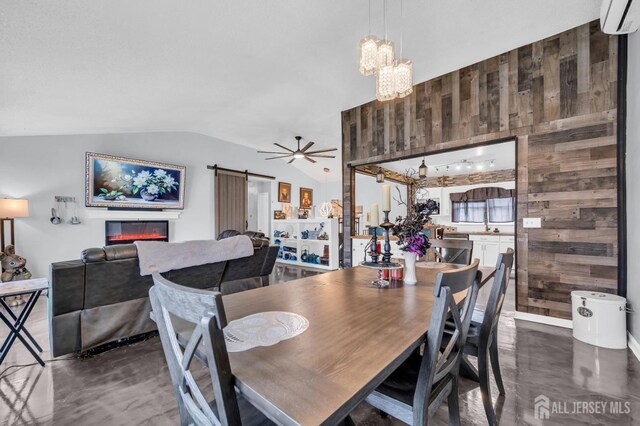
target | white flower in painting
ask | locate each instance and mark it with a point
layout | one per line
(159, 173)
(144, 175)
(127, 178)
(169, 181)
(152, 189)
(139, 181)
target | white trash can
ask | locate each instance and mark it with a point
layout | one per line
(599, 319)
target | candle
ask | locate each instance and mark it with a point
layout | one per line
(386, 198)
(375, 220)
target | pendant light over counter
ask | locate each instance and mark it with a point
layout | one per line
(380, 175)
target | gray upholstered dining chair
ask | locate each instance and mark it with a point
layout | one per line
(452, 250)
(482, 340)
(415, 390)
(205, 311)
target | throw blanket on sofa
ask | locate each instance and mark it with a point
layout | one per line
(157, 256)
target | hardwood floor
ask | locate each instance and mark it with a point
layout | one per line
(130, 385)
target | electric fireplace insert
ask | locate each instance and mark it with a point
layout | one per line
(128, 231)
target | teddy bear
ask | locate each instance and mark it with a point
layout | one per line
(13, 269)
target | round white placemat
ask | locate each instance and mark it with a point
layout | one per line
(263, 329)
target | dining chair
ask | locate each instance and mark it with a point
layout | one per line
(482, 340)
(205, 311)
(452, 250)
(415, 390)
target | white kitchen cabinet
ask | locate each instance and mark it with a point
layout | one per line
(487, 248)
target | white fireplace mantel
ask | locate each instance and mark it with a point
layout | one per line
(98, 213)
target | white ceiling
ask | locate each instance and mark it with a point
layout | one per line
(252, 72)
(462, 161)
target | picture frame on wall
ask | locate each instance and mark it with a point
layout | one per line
(284, 192)
(279, 215)
(126, 183)
(306, 198)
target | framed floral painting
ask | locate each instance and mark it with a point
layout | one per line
(127, 183)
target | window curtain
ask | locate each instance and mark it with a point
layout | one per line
(501, 210)
(468, 211)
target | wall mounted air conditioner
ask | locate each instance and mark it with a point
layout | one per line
(620, 16)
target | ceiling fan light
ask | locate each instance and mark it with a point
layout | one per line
(298, 155)
(403, 77)
(368, 55)
(380, 176)
(422, 170)
(386, 53)
(385, 83)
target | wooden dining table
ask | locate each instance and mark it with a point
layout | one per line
(357, 335)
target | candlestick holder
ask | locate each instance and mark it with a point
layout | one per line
(386, 225)
(373, 244)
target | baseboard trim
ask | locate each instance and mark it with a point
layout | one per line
(542, 319)
(634, 345)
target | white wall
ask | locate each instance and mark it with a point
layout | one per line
(445, 219)
(40, 167)
(633, 176)
(369, 192)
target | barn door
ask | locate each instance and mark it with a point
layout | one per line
(231, 201)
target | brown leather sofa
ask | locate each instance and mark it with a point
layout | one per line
(101, 298)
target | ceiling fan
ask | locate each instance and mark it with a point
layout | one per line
(299, 153)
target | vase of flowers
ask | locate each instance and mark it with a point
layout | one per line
(411, 239)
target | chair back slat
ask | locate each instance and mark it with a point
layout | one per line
(205, 311)
(498, 292)
(452, 250)
(442, 367)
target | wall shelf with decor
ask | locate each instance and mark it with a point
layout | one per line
(307, 242)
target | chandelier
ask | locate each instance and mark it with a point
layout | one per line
(394, 78)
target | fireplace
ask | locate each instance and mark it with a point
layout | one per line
(128, 231)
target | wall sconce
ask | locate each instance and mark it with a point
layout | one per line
(380, 175)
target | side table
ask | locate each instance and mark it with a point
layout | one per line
(16, 324)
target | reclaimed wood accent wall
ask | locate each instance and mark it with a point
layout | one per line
(558, 98)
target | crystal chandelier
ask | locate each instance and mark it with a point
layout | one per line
(394, 78)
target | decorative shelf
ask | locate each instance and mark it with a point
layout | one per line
(97, 213)
(295, 227)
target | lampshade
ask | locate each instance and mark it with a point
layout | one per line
(12, 207)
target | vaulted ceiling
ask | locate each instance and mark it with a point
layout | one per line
(251, 72)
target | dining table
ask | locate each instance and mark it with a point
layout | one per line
(357, 336)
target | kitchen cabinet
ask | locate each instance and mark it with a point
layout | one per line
(487, 248)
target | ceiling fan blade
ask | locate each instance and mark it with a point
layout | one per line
(321, 156)
(283, 147)
(280, 156)
(321, 150)
(292, 160)
(273, 152)
(307, 146)
(309, 159)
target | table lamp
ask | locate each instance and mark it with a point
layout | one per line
(10, 208)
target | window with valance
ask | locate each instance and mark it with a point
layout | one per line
(487, 204)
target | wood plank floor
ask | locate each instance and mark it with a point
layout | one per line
(131, 386)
